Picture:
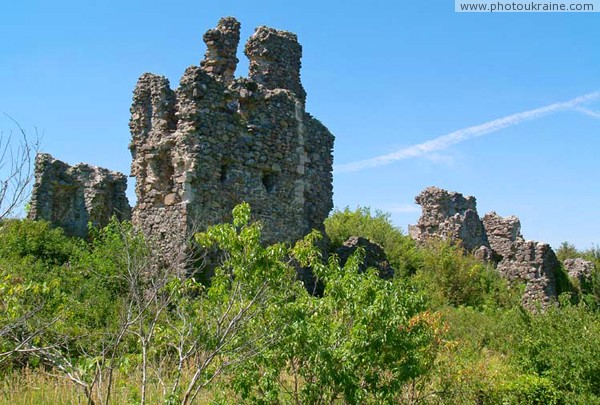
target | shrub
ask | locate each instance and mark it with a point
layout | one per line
(450, 277)
(563, 345)
(35, 241)
(362, 341)
(400, 249)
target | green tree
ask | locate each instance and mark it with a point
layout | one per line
(363, 341)
(400, 249)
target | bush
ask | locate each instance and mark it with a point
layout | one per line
(362, 341)
(64, 291)
(563, 345)
(450, 277)
(35, 241)
(400, 249)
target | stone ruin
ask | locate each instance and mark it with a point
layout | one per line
(580, 270)
(71, 196)
(450, 216)
(216, 141)
(374, 256)
(520, 259)
(203, 148)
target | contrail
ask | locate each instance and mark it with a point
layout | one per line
(445, 141)
(588, 112)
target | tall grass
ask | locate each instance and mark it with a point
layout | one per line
(35, 386)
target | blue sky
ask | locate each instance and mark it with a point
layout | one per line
(382, 75)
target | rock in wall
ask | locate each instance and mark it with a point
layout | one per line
(71, 196)
(502, 233)
(216, 141)
(534, 263)
(579, 269)
(374, 256)
(449, 215)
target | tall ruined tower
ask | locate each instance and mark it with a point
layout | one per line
(217, 141)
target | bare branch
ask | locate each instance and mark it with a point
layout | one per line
(17, 156)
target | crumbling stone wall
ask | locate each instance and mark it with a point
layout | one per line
(71, 196)
(502, 233)
(536, 264)
(216, 141)
(449, 215)
(579, 269)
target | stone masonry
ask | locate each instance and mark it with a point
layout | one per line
(216, 141)
(518, 259)
(450, 216)
(71, 196)
(580, 270)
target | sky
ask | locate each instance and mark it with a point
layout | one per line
(504, 106)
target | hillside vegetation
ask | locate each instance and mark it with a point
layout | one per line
(99, 321)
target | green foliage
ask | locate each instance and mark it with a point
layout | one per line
(563, 345)
(478, 364)
(450, 277)
(35, 241)
(590, 290)
(567, 250)
(513, 356)
(362, 341)
(400, 249)
(63, 291)
(450, 333)
(526, 389)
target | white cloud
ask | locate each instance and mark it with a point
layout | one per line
(453, 138)
(440, 158)
(588, 112)
(401, 208)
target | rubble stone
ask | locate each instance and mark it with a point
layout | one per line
(216, 141)
(451, 216)
(535, 264)
(222, 42)
(579, 269)
(71, 196)
(502, 233)
(374, 255)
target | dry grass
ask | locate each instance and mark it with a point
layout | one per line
(33, 387)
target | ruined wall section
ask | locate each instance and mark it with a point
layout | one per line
(275, 60)
(319, 177)
(222, 141)
(220, 59)
(450, 215)
(71, 196)
(536, 264)
(153, 148)
(579, 269)
(502, 233)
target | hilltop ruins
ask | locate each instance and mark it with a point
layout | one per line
(216, 140)
(206, 146)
